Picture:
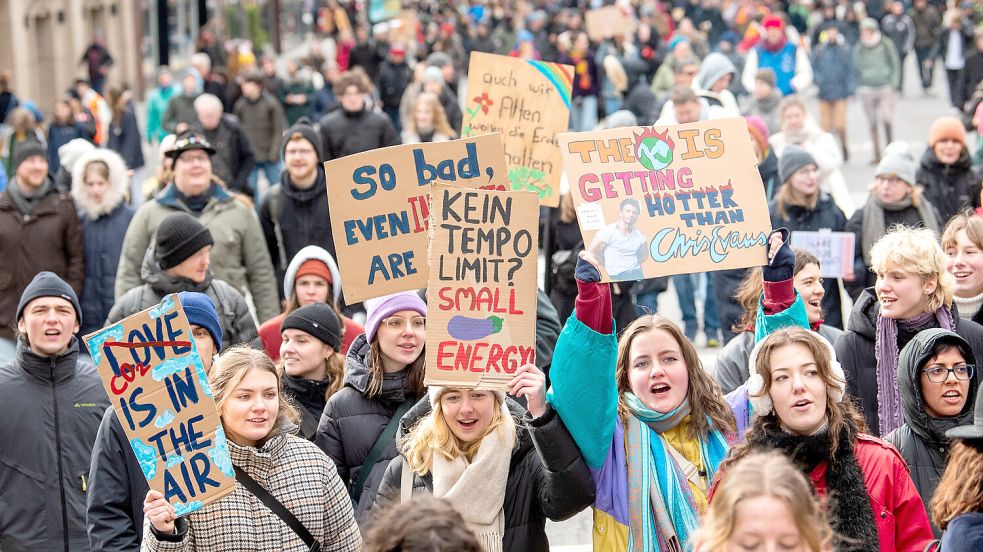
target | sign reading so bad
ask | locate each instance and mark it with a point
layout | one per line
(157, 385)
(657, 201)
(379, 204)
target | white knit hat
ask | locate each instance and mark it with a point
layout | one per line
(761, 402)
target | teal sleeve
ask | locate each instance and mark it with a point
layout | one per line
(795, 315)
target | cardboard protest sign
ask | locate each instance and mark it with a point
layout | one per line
(156, 383)
(656, 201)
(481, 321)
(529, 103)
(835, 250)
(609, 21)
(384, 10)
(379, 207)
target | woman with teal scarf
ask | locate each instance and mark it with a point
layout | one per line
(648, 419)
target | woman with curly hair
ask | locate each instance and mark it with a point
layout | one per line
(957, 507)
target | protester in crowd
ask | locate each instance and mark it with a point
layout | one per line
(767, 159)
(310, 358)
(765, 502)
(212, 82)
(946, 169)
(55, 402)
(294, 213)
(179, 260)
(427, 122)
(928, 27)
(836, 79)
(972, 75)
(957, 507)
(764, 100)
(730, 369)
(433, 81)
(68, 155)
(938, 390)
(99, 185)
(355, 127)
(797, 392)
(233, 161)
(323, 100)
(586, 84)
(894, 199)
(8, 99)
(962, 242)
(297, 91)
(955, 42)
(678, 68)
(117, 484)
(62, 129)
(504, 469)
(800, 205)
(565, 242)
(97, 61)
(124, 139)
(394, 77)
(793, 72)
(913, 292)
(21, 129)
(368, 53)
(878, 75)
(263, 122)
(157, 103)
(383, 379)
(247, 386)
(423, 524)
(164, 173)
(98, 107)
(713, 80)
(180, 114)
(311, 277)
(651, 417)
(899, 28)
(239, 255)
(39, 231)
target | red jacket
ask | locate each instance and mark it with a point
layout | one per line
(269, 334)
(902, 524)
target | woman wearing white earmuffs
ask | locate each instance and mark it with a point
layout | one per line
(796, 391)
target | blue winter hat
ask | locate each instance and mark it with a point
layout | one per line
(201, 312)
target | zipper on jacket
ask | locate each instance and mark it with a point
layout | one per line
(85, 484)
(61, 474)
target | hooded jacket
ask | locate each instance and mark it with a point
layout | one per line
(547, 477)
(52, 410)
(921, 440)
(951, 188)
(239, 255)
(964, 533)
(103, 226)
(233, 312)
(855, 351)
(352, 422)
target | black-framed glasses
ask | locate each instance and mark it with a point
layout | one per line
(939, 374)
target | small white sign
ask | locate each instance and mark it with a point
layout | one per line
(835, 250)
(590, 216)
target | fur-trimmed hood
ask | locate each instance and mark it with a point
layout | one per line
(118, 183)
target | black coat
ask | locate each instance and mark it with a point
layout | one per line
(124, 139)
(951, 188)
(308, 396)
(352, 422)
(344, 133)
(921, 440)
(826, 215)
(103, 247)
(233, 159)
(855, 351)
(392, 82)
(547, 478)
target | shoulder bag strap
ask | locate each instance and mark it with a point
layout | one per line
(277, 508)
(384, 439)
(405, 483)
(690, 470)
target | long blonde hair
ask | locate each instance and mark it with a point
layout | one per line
(764, 474)
(440, 123)
(432, 436)
(232, 366)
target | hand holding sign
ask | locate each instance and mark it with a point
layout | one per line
(160, 513)
(530, 382)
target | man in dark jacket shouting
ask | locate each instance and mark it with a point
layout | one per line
(53, 405)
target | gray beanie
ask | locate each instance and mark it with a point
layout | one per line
(793, 159)
(898, 165)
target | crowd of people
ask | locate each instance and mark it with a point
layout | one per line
(840, 413)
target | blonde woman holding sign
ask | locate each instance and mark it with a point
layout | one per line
(503, 469)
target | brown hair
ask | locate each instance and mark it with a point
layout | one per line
(784, 198)
(960, 490)
(99, 166)
(354, 77)
(114, 97)
(232, 366)
(973, 225)
(423, 524)
(568, 212)
(748, 293)
(705, 398)
(414, 376)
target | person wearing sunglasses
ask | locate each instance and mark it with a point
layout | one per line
(938, 382)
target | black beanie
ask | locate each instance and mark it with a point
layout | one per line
(48, 284)
(180, 236)
(28, 149)
(317, 319)
(304, 128)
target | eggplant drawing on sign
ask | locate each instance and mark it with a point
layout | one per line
(466, 328)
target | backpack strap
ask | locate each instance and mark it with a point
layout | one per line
(277, 230)
(277, 508)
(386, 437)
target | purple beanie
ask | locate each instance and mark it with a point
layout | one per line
(382, 307)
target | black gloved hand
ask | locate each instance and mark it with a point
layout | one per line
(780, 268)
(586, 272)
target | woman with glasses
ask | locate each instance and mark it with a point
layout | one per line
(936, 375)
(383, 378)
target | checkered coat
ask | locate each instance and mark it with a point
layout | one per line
(300, 476)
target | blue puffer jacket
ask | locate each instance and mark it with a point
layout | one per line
(833, 72)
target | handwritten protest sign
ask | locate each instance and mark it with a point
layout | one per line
(610, 21)
(529, 103)
(835, 250)
(156, 383)
(481, 324)
(656, 201)
(379, 206)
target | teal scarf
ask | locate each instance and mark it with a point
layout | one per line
(662, 511)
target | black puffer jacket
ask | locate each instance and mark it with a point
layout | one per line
(345, 132)
(351, 423)
(921, 440)
(52, 408)
(826, 216)
(951, 188)
(547, 478)
(855, 351)
(308, 396)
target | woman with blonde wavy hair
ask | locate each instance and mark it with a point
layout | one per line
(257, 424)
(764, 503)
(504, 469)
(427, 121)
